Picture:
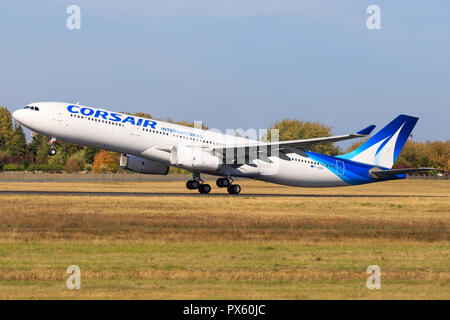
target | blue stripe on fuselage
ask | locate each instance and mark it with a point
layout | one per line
(353, 173)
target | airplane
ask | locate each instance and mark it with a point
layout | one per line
(153, 146)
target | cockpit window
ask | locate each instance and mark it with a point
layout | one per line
(26, 107)
(32, 108)
(36, 108)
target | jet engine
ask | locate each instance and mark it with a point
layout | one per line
(142, 165)
(193, 158)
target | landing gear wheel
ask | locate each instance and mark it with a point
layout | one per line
(225, 182)
(192, 184)
(234, 189)
(222, 182)
(204, 188)
(51, 152)
(195, 184)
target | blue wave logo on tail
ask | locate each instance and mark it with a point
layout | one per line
(385, 146)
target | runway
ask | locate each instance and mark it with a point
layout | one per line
(195, 194)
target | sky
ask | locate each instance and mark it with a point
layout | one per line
(234, 63)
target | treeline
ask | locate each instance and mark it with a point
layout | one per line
(18, 155)
(435, 154)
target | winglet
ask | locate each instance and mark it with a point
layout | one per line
(366, 131)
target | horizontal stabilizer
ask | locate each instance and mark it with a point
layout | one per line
(378, 173)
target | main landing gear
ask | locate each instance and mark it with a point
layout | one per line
(227, 183)
(234, 189)
(52, 151)
(197, 183)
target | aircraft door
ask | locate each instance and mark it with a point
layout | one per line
(135, 130)
(340, 166)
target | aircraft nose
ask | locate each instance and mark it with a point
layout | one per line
(18, 115)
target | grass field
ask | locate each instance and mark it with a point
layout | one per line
(227, 247)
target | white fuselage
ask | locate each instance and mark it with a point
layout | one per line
(152, 139)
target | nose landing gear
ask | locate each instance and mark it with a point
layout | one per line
(52, 151)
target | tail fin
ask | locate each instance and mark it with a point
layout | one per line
(385, 146)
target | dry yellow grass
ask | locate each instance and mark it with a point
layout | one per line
(228, 247)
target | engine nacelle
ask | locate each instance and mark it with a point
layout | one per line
(142, 165)
(193, 158)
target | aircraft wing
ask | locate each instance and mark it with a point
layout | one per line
(289, 145)
(261, 150)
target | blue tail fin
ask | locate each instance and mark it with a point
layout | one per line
(385, 146)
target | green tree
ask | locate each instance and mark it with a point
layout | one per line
(36, 141)
(38, 148)
(42, 151)
(412, 155)
(73, 164)
(439, 154)
(6, 128)
(59, 159)
(143, 115)
(18, 144)
(65, 150)
(2, 142)
(356, 145)
(294, 129)
(187, 124)
(89, 155)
